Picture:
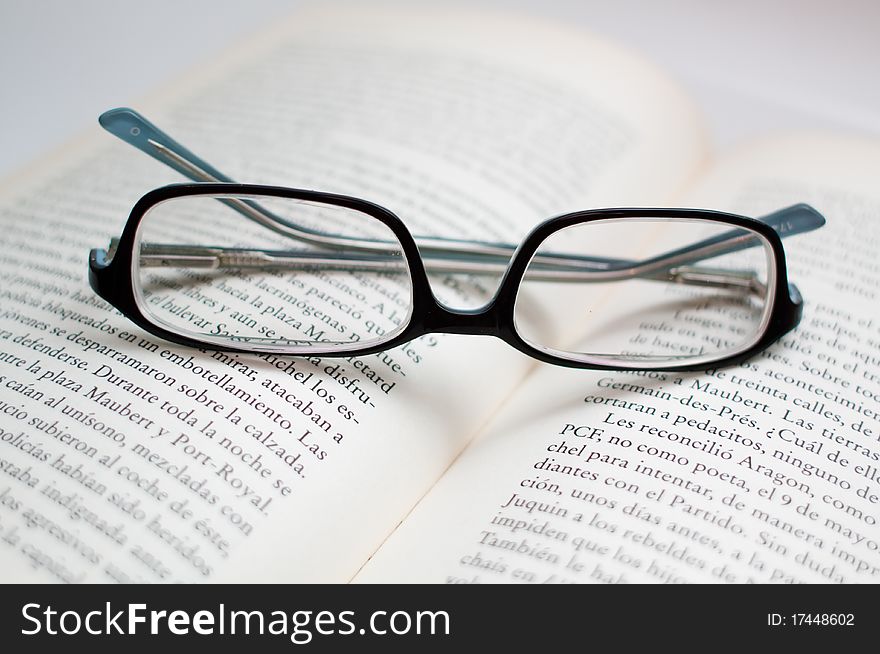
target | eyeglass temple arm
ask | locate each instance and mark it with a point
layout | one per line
(133, 128)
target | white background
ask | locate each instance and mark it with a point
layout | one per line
(753, 65)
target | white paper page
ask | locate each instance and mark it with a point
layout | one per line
(764, 472)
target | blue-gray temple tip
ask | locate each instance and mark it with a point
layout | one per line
(796, 219)
(131, 127)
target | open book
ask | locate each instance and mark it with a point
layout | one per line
(453, 458)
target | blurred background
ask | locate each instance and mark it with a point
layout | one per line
(753, 65)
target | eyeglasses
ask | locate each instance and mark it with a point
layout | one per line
(267, 269)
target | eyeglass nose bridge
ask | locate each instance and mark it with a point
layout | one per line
(482, 321)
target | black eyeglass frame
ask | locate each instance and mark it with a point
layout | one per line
(113, 280)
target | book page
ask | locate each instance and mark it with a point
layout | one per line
(125, 458)
(763, 472)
